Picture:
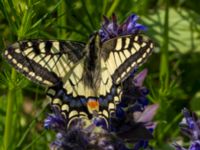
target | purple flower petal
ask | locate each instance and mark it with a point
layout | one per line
(147, 115)
(111, 28)
(139, 78)
(195, 145)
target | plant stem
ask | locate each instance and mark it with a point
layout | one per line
(164, 65)
(61, 32)
(9, 111)
(113, 7)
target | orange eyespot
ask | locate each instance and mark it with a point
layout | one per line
(92, 105)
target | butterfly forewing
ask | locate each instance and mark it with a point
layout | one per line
(44, 61)
(122, 54)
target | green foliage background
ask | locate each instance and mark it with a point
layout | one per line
(174, 67)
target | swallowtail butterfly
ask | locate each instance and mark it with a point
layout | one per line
(83, 79)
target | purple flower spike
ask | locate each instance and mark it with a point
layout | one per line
(55, 121)
(111, 28)
(190, 126)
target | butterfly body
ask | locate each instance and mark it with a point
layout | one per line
(92, 66)
(82, 78)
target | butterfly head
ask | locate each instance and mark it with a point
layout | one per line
(94, 38)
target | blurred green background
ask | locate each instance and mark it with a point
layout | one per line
(174, 67)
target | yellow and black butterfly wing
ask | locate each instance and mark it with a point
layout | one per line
(120, 56)
(57, 65)
(45, 61)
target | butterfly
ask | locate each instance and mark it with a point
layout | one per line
(83, 79)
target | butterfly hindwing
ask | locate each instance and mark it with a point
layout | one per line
(45, 61)
(73, 108)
